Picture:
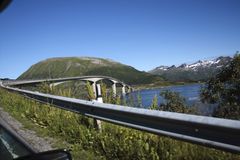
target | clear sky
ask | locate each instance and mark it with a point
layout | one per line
(140, 33)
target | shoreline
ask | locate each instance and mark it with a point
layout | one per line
(143, 87)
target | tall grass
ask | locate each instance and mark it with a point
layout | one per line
(114, 142)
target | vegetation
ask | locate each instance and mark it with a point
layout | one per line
(175, 103)
(224, 89)
(90, 92)
(154, 104)
(76, 66)
(114, 142)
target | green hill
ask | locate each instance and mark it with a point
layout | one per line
(82, 66)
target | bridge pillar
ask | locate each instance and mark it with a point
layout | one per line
(123, 90)
(51, 86)
(99, 93)
(94, 88)
(130, 89)
(114, 88)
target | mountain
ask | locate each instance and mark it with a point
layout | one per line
(198, 71)
(83, 66)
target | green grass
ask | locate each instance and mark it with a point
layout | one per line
(114, 142)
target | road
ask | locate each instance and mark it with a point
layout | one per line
(37, 143)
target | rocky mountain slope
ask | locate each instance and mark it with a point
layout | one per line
(198, 71)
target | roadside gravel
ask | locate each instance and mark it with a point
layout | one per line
(38, 143)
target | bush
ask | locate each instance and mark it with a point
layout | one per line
(224, 90)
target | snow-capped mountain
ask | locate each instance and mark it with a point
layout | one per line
(162, 68)
(218, 62)
(197, 71)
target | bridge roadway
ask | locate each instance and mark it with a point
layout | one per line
(212, 132)
(56, 81)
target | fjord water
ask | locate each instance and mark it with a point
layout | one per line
(191, 93)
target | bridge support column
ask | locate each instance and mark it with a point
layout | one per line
(94, 88)
(130, 89)
(99, 93)
(51, 85)
(97, 122)
(123, 90)
(114, 88)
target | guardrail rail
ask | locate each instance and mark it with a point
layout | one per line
(212, 132)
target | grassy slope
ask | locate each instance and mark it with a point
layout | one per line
(114, 142)
(73, 66)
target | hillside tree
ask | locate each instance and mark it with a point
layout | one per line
(224, 90)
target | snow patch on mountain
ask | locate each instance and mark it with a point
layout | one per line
(217, 63)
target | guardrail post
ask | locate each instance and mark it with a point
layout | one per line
(97, 122)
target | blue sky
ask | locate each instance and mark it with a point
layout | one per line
(140, 33)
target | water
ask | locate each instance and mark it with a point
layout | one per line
(190, 92)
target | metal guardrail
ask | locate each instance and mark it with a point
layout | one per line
(212, 132)
(21, 147)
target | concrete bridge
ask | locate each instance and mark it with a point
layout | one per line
(94, 81)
